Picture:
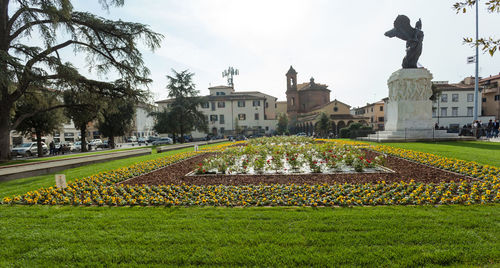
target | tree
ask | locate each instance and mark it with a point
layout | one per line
(487, 44)
(106, 45)
(185, 103)
(166, 122)
(82, 108)
(116, 118)
(41, 123)
(323, 125)
(282, 127)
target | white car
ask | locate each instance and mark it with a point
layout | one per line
(77, 146)
(95, 142)
(28, 149)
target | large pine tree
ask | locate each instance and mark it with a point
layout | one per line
(106, 45)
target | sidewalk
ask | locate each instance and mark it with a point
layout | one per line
(24, 170)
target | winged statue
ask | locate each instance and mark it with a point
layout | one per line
(413, 37)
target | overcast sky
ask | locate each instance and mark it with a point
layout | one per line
(339, 43)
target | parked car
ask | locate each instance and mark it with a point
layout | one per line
(28, 149)
(163, 140)
(141, 140)
(104, 144)
(303, 134)
(152, 138)
(132, 139)
(77, 146)
(95, 142)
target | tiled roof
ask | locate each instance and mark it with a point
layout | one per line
(490, 78)
(453, 87)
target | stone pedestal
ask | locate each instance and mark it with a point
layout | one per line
(408, 111)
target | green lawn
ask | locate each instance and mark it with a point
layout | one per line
(363, 236)
(21, 186)
(480, 151)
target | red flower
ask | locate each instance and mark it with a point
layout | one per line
(368, 161)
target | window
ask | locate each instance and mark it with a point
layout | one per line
(470, 97)
(371, 119)
(371, 109)
(454, 111)
(293, 101)
(213, 105)
(256, 117)
(381, 108)
(454, 97)
(434, 112)
(205, 105)
(265, 116)
(497, 97)
(267, 104)
(381, 119)
(256, 103)
(335, 109)
(241, 103)
(484, 99)
(470, 111)
(444, 98)
(275, 105)
(221, 119)
(242, 116)
(444, 111)
(220, 93)
(267, 128)
(213, 117)
(222, 130)
(221, 104)
(206, 118)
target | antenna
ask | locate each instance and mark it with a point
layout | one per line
(229, 73)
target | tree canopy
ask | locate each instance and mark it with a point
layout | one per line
(182, 115)
(489, 44)
(116, 118)
(107, 46)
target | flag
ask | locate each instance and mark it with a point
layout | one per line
(471, 59)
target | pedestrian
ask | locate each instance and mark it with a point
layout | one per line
(496, 126)
(52, 148)
(489, 129)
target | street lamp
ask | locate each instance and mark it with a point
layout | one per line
(476, 82)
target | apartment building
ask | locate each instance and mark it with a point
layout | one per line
(253, 112)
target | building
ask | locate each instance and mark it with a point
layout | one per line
(253, 112)
(307, 101)
(143, 123)
(491, 95)
(375, 112)
(453, 104)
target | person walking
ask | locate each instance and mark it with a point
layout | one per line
(496, 128)
(52, 148)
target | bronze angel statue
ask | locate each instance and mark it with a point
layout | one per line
(413, 37)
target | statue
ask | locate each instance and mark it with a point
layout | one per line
(413, 37)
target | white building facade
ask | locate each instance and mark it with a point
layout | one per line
(453, 105)
(252, 111)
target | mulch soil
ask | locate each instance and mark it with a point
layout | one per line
(404, 171)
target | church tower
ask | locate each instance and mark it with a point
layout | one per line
(292, 96)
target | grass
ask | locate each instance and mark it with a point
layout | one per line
(21, 186)
(487, 153)
(149, 236)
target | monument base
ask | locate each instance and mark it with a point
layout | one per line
(408, 110)
(415, 135)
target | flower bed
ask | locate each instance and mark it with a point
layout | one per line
(290, 155)
(102, 189)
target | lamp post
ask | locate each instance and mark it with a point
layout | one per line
(476, 80)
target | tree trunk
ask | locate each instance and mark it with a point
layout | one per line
(83, 130)
(39, 143)
(111, 142)
(4, 132)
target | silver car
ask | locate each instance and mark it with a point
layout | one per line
(28, 149)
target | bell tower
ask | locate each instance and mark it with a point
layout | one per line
(292, 96)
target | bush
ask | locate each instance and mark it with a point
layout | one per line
(355, 130)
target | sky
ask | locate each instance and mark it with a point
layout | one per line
(339, 43)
